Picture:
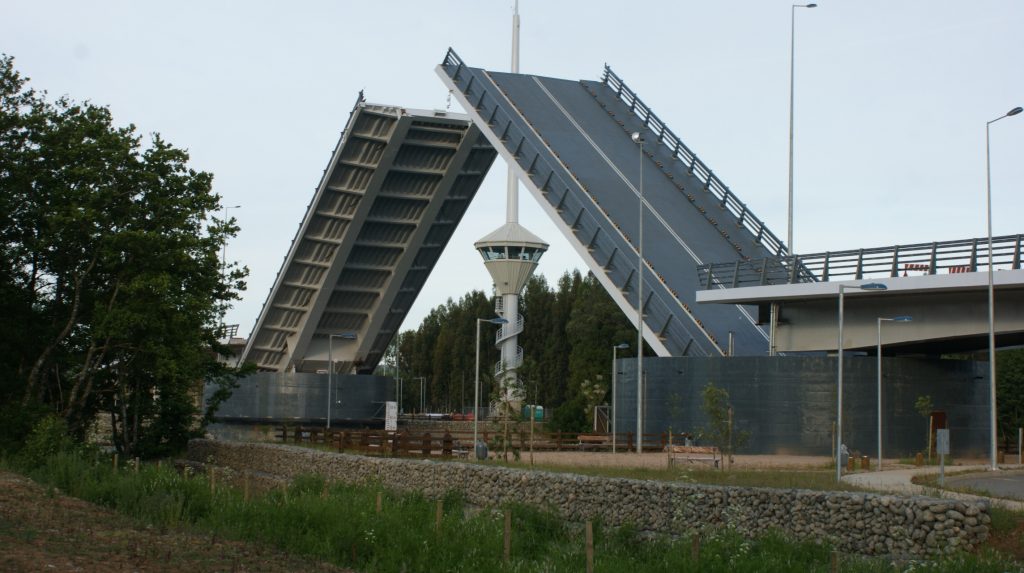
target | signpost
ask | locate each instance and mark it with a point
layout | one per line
(942, 448)
(391, 416)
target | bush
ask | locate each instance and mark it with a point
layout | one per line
(16, 423)
(49, 437)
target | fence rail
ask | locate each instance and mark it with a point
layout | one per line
(447, 444)
(946, 257)
(728, 200)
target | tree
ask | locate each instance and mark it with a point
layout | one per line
(1010, 388)
(925, 407)
(111, 263)
(720, 431)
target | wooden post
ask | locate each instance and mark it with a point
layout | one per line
(137, 464)
(533, 415)
(729, 453)
(213, 480)
(159, 464)
(508, 535)
(590, 546)
(115, 461)
(380, 502)
(695, 548)
(931, 428)
(834, 568)
(437, 515)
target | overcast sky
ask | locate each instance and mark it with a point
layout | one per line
(892, 98)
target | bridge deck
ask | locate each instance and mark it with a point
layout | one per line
(570, 143)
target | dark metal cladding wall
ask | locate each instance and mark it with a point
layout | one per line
(302, 397)
(788, 404)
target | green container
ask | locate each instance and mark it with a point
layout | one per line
(538, 414)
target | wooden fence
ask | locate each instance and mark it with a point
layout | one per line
(446, 443)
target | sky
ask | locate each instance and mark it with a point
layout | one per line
(891, 97)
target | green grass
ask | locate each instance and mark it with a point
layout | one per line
(339, 523)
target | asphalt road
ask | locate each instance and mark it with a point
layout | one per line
(1005, 484)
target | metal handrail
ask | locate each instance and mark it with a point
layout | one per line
(712, 183)
(952, 257)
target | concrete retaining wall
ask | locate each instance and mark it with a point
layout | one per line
(855, 522)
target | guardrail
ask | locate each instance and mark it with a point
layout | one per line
(712, 183)
(945, 257)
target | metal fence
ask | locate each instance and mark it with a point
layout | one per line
(946, 257)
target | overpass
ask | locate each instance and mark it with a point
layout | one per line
(942, 285)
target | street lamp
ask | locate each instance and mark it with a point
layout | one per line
(330, 366)
(639, 140)
(423, 399)
(615, 350)
(839, 390)
(991, 291)
(879, 369)
(792, 60)
(476, 373)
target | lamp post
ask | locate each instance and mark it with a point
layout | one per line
(330, 366)
(423, 396)
(792, 61)
(879, 369)
(639, 140)
(839, 389)
(615, 350)
(991, 291)
(476, 372)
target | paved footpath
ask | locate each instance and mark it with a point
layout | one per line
(1009, 480)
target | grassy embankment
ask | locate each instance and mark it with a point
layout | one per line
(340, 524)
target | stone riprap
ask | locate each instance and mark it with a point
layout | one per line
(864, 523)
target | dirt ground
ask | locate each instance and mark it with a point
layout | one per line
(657, 460)
(41, 530)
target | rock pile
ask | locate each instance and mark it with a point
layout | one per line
(863, 523)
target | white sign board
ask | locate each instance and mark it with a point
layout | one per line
(391, 417)
(942, 442)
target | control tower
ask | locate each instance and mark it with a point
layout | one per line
(511, 254)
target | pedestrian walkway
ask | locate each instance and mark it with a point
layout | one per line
(899, 481)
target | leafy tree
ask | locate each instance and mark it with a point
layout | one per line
(720, 431)
(1010, 392)
(924, 406)
(111, 268)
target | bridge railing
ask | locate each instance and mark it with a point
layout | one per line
(946, 257)
(712, 183)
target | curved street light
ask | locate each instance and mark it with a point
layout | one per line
(839, 352)
(879, 370)
(476, 373)
(330, 366)
(991, 293)
(638, 139)
(615, 349)
(792, 61)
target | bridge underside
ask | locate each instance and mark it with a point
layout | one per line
(397, 185)
(949, 313)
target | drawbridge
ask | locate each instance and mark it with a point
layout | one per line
(397, 185)
(571, 143)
